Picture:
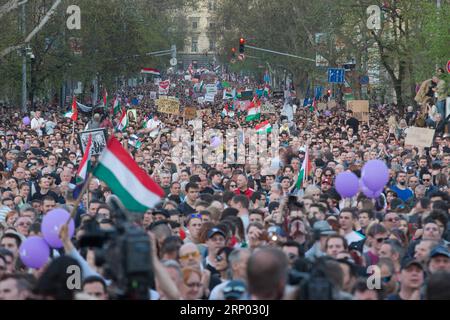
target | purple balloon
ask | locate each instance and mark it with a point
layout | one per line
(215, 142)
(369, 193)
(34, 252)
(375, 175)
(327, 113)
(26, 120)
(52, 223)
(347, 184)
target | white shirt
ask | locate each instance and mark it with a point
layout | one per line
(36, 125)
(353, 237)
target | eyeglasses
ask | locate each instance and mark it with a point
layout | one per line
(386, 279)
(380, 240)
(328, 175)
(426, 179)
(194, 255)
(233, 186)
(394, 219)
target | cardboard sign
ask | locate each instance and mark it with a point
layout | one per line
(268, 108)
(419, 137)
(190, 113)
(201, 113)
(360, 109)
(331, 104)
(168, 105)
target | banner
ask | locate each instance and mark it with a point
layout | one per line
(164, 87)
(247, 95)
(168, 105)
(278, 94)
(360, 109)
(419, 137)
(268, 108)
(190, 113)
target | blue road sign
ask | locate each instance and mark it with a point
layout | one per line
(336, 75)
(364, 80)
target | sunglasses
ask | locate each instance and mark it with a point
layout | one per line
(426, 179)
(196, 215)
(186, 256)
(393, 219)
(386, 279)
(380, 240)
(233, 186)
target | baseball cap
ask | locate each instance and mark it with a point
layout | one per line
(323, 228)
(440, 251)
(234, 290)
(408, 261)
(214, 231)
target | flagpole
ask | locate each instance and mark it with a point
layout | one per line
(80, 197)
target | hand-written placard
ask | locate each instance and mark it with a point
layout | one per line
(419, 137)
(321, 106)
(360, 109)
(201, 113)
(168, 105)
(268, 108)
(190, 113)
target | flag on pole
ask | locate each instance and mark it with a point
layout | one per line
(152, 71)
(263, 127)
(254, 110)
(85, 164)
(266, 90)
(227, 111)
(73, 113)
(304, 171)
(123, 122)
(105, 99)
(131, 184)
(116, 106)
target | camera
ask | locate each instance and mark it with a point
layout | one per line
(124, 253)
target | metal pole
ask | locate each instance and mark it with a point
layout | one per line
(280, 53)
(438, 4)
(24, 63)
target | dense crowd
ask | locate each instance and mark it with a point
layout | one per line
(239, 231)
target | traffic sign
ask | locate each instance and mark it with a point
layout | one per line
(336, 75)
(448, 66)
(364, 80)
(173, 62)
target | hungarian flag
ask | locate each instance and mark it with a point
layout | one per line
(227, 94)
(227, 111)
(85, 164)
(116, 106)
(254, 110)
(131, 184)
(304, 171)
(266, 90)
(73, 114)
(263, 127)
(151, 71)
(123, 122)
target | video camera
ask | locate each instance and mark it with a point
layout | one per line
(124, 253)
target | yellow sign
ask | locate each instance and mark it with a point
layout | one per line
(360, 109)
(168, 105)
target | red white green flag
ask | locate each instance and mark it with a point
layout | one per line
(85, 164)
(131, 184)
(73, 113)
(305, 171)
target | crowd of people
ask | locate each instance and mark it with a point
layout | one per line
(231, 231)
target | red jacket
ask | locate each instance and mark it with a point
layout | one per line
(248, 193)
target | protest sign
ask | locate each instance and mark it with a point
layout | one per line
(168, 105)
(211, 89)
(278, 94)
(164, 87)
(419, 137)
(190, 113)
(331, 104)
(201, 113)
(247, 95)
(360, 109)
(99, 140)
(209, 97)
(132, 115)
(268, 108)
(153, 95)
(321, 106)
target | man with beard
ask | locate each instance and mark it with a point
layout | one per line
(400, 187)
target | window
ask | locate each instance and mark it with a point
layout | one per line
(212, 45)
(194, 46)
(195, 23)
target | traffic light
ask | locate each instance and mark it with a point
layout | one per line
(241, 45)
